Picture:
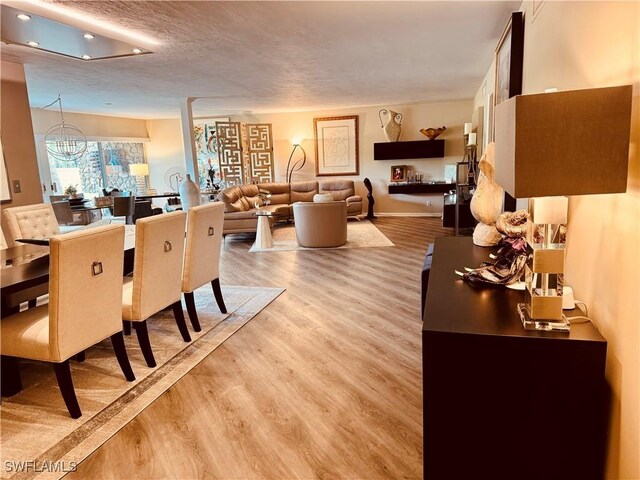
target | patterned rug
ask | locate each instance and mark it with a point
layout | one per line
(359, 234)
(41, 440)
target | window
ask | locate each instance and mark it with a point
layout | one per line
(103, 165)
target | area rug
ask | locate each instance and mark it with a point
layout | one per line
(35, 426)
(359, 234)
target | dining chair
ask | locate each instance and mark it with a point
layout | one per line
(202, 255)
(157, 275)
(3, 241)
(124, 207)
(85, 307)
(34, 222)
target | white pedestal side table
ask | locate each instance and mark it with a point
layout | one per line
(263, 232)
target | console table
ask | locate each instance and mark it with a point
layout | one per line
(501, 402)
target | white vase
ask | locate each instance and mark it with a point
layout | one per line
(189, 193)
(393, 127)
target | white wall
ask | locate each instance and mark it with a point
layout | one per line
(164, 150)
(573, 45)
(95, 127)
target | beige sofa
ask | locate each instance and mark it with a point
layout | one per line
(240, 201)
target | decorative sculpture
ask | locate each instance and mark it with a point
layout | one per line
(393, 127)
(486, 203)
(370, 215)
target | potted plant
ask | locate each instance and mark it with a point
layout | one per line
(72, 191)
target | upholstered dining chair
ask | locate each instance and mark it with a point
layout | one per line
(3, 241)
(85, 307)
(34, 222)
(202, 255)
(157, 274)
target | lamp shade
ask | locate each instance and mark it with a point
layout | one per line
(139, 169)
(564, 143)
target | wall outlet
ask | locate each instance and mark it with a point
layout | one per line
(16, 186)
(428, 203)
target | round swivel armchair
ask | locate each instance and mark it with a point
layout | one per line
(320, 224)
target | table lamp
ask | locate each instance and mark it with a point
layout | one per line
(140, 170)
(550, 146)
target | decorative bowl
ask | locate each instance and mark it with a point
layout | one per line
(432, 133)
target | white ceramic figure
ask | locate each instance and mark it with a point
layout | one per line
(486, 203)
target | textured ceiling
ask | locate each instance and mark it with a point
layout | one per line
(274, 56)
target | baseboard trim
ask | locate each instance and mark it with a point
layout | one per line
(408, 214)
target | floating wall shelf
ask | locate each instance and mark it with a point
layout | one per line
(409, 188)
(405, 150)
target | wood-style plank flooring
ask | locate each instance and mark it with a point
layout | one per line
(324, 383)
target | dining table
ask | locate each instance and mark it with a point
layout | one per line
(25, 266)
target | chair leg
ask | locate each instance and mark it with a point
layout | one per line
(65, 382)
(10, 382)
(117, 340)
(217, 292)
(182, 325)
(32, 303)
(143, 340)
(79, 357)
(191, 309)
(126, 327)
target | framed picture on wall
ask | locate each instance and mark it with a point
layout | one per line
(399, 173)
(336, 145)
(5, 190)
(509, 59)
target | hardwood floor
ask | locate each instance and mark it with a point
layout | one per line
(324, 383)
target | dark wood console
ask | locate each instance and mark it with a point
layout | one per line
(501, 402)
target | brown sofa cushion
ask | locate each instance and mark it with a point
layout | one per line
(303, 191)
(339, 189)
(232, 198)
(279, 192)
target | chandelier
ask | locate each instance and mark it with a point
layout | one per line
(64, 142)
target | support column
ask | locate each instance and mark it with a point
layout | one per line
(186, 119)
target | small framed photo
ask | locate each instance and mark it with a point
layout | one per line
(399, 173)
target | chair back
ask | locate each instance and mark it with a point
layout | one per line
(157, 268)
(117, 193)
(202, 247)
(142, 209)
(3, 241)
(320, 224)
(124, 207)
(62, 211)
(85, 288)
(36, 222)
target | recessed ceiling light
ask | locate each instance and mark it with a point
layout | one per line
(24, 17)
(108, 103)
(77, 15)
(137, 51)
(86, 57)
(89, 36)
(33, 44)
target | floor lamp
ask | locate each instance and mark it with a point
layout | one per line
(550, 146)
(296, 165)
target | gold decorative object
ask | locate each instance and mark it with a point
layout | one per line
(432, 133)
